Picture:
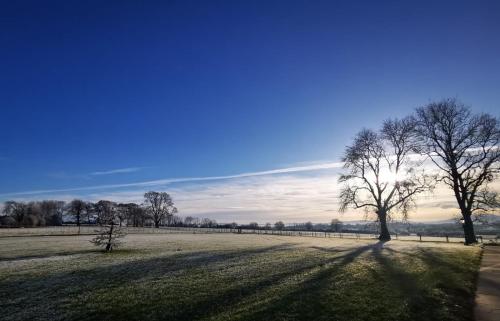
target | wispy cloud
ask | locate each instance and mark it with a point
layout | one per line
(166, 181)
(117, 171)
(291, 197)
(291, 194)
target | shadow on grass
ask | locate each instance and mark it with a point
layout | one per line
(48, 255)
(48, 291)
(391, 292)
(196, 285)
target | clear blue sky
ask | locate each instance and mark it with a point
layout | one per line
(165, 89)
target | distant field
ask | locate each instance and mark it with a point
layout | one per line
(235, 277)
(71, 230)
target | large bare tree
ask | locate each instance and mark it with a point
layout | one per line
(160, 206)
(382, 176)
(465, 147)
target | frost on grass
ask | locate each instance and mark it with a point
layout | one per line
(236, 277)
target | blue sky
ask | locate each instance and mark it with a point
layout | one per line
(124, 92)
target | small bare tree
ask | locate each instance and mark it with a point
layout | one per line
(381, 176)
(160, 206)
(110, 232)
(466, 148)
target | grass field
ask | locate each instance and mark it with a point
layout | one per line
(235, 277)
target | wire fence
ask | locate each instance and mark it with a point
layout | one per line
(92, 230)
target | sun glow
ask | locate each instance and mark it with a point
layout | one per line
(391, 177)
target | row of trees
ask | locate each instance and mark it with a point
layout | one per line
(33, 213)
(335, 226)
(385, 170)
(157, 209)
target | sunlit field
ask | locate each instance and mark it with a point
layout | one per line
(235, 277)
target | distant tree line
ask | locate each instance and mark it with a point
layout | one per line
(157, 210)
(334, 226)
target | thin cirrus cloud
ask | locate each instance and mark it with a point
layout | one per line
(166, 181)
(117, 171)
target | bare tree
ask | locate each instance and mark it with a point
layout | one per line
(77, 208)
(104, 210)
(16, 210)
(52, 211)
(188, 221)
(159, 205)
(335, 225)
(279, 225)
(89, 211)
(381, 176)
(465, 147)
(253, 225)
(308, 226)
(123, 210)
(134, 213)
(110, 233)
(206, 222)
(196, 221)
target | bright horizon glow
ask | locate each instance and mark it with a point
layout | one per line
(294, 194)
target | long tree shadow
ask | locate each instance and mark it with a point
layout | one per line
(64, 285)
(416, 298)
(434, 292)
(46, 256)
(297, 287)
(220, 301)
(393, 287)
(307, 300)
(108, 278)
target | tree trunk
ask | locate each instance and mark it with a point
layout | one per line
(157, 224)
(109, 246)
(384, 231)
(470, 236)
